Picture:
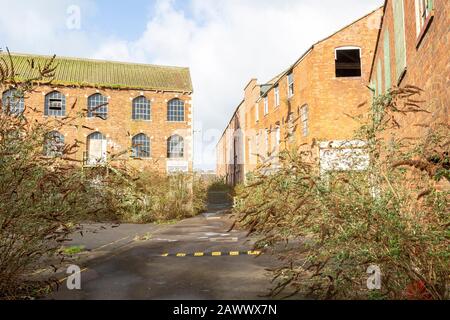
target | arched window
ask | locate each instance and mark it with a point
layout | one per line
(98, 106)
(13, 102)
(96, 151)
(175, 110)
(141, 146)
(55, 104)
(54, 144)
(175, 147)
(141, 109)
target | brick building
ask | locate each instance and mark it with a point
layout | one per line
(142, 110)
(310, 101)
(413, 49)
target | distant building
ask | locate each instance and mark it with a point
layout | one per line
(146, 109)
(310, 101)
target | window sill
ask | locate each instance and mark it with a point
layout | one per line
(425, 28)
(176, 121)
(141, 120)
(348, 78)
(141, 159)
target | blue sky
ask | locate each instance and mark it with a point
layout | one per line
(224, 42)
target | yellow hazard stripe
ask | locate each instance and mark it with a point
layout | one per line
(213, 254)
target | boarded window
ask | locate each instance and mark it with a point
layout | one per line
(387, 61)
(96, 149)
(400, 43)
(348, 62)
(379, 78)
(55, 104)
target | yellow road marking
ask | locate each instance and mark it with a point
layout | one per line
(254, 253)
(199, 254)
(234, 253)
(165, 255)
(216, 254)
(109, 244)
(181, 254)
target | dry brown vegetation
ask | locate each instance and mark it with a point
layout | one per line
(44, 199)
(332, 226)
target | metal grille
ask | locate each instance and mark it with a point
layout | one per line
(98, 106)
(175, 110)
(141, 146)
(13, 102)
(55, 104)
(175, 147)
(141, 109)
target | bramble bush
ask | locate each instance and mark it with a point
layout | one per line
(334, 225)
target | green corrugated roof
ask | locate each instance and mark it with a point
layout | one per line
(109, 74)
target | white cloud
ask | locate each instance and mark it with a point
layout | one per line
(224, 42)
(41, 27)
(227, 42)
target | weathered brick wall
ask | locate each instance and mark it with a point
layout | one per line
(119, 128)
(427, 63)
(330, 99)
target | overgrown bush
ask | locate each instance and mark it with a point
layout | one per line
(393, 215)
(164, 198)
(43, 199)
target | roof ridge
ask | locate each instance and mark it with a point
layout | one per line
(30, 55)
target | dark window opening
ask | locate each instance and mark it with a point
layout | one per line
(348, 63)
(55, 104)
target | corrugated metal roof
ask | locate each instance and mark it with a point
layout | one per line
(107, 74)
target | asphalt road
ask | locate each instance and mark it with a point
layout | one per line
(141, 262)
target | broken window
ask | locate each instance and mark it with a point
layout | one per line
(348, 62)
(55, 104)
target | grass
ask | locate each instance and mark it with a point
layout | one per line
(72, 250)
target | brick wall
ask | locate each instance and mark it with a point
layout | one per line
(119, 128)
(330, 99)
(427, 62)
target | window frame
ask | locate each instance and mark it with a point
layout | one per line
(424, 18)
(348, 48)
(174, 115)
(141, 109)
(178, 154)
(101, 110)
(290, 84)
(304, 117)
(276, 93)
(266, 105)
(53, 97)
(19, 106)
(137, 150)
(56, 149)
